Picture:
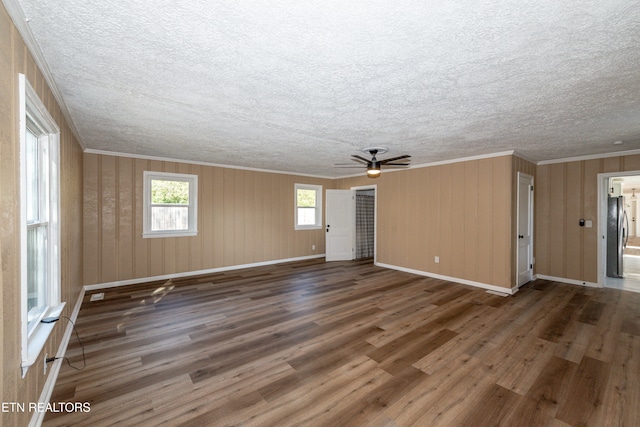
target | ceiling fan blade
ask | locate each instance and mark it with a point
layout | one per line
(397, 164)
(391, 159)
(360, 158)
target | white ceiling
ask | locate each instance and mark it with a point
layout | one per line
(300, 85)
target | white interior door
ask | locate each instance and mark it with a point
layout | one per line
(632, 218)
(340, 217)
(525, 229)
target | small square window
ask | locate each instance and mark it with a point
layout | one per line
(170, 204)
(308, 206)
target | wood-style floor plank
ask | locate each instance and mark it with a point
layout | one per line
(350, 344)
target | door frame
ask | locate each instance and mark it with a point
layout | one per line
(603, 191)
(531, 224)
(373, 187)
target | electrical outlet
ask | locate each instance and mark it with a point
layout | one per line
(44, 362)
(437, 260)
(313, 247)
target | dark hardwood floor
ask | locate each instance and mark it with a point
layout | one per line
(351, 344)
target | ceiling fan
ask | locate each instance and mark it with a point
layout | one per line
(374, 165)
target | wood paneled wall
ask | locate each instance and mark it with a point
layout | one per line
(15, 58)
(244, 217)
(460, 212)
(565, 193)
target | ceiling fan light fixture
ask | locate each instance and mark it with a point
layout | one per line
(374, 166)
(373, 170)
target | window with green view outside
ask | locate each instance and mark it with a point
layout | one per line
(170, 204)
(169, 192)
(308, 212)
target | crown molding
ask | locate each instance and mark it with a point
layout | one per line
(589, 157)
(466, 159)
(524, 157)
(21, 23)
(194, 162)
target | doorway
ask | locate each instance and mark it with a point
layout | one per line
(524, 246)
(619, 251)
(365, 223)
(351, 225)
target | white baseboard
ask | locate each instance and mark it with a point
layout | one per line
(499, 289)
(568, 281)
(54, 370)
(193, 273)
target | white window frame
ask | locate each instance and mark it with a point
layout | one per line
(193, 204)
(318, 208)
(33, 110)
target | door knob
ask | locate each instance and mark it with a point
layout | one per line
(520, 236)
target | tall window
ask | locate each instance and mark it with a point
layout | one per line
(37, 200)
(308, 207)
(170, 204)
(40, 221)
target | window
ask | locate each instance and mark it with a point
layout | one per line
(170, 204)
(39, 222)
(308, 208)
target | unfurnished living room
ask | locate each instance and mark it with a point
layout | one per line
(252, 213)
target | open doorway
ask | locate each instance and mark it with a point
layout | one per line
(621, 230)
(365, 235)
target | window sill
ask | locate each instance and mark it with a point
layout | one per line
(308, 227)
(39, 337)
(169, 234)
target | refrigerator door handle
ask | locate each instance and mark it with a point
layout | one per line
(625, 230)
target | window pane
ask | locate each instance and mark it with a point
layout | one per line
(169, 218)
(32, 171)
(306, 198)
(36, 272)
(169, 192)
(306, 216)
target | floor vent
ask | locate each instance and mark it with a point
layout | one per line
(97, 297)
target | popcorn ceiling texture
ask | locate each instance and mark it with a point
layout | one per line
(300, 85)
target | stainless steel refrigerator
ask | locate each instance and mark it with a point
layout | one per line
(617, 235)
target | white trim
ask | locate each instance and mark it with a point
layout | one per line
(424, 165)
(568, 281)
(30, 106)
(589, 157)
(601, 221)
(192, 207)
(499, 289)
(601, 226)
(517, 153)
(318, 208)
(219, 165)
(22, 117)
(624, 284)
(21, 22)
(118, 283)
(465, 159)
(54, 370)
(194, 162)
(531, 224)
(39, 336)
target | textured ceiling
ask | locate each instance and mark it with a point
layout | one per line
(300, 85)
